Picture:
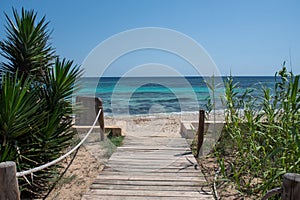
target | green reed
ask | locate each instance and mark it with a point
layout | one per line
(261, 139)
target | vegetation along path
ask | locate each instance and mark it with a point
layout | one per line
(151, 167)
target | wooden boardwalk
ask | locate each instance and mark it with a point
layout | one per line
(150, 168)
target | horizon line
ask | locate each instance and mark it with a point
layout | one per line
(192, 76)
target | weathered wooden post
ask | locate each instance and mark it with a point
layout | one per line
(98, 106)
(290, 189)
(200, 131)
(9, 188)
(291, 186)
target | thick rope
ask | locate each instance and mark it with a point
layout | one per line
(215, 184)
(31, 171)
(272, 192)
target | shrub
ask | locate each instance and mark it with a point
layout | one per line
(36, 107)
(263, 133)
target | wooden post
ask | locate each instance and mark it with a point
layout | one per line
(200, 132)
(98, 106)
(290, 189)
(9, 188)
(291, 186)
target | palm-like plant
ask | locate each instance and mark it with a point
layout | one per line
(36, 107)
(19, 115)
(27, 48)
(55, 132)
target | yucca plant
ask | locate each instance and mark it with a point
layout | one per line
(55, 133)
(20, 115)
(27, 48)
(36, 102)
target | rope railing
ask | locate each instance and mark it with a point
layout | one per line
(31, 171)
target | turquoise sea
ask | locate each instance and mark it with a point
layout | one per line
(144, 95)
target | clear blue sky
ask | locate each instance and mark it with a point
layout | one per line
(246, 37)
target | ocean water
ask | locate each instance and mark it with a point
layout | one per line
(148, 95)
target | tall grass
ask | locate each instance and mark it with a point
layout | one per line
(261, 139)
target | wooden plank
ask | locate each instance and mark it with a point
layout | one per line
(148, 178)
(148, 187)
(168, 156)
(138, 171)
(149, 193)
(149, 156)
(158, 159)
(144, 145)
(147, 146)
(158, 173)
(145, 182)
(115, 197)
(152, 166)
(151, 162)
(147, 170)
(153, 147)
(164, 170)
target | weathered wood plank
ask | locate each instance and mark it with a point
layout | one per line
(154, 167)
(166, 163)
(145, 182)
(147, 148)
(170, 159)
(149, 156)
(158, 173)
(169, 168)
(96, 197)
(164, 170)
(147, 178)
(148, 187)
(150, 193)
